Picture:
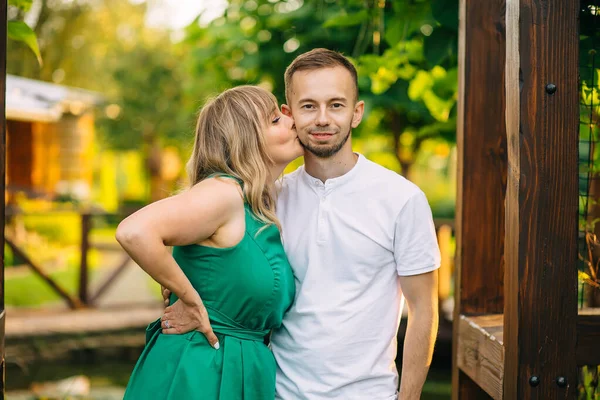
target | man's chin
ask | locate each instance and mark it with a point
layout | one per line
(322, 151)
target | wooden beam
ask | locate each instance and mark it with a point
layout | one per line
(511, 256)
(3, 39)
(541, 199)
(588, 337)
(86, 226)
(481, 143)
(480, 352)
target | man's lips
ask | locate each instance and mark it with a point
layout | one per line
(321, 135)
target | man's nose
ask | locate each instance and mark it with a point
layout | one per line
(322, 118)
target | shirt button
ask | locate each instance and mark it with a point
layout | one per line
(316, 181)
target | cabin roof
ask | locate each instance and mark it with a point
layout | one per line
(33, 100)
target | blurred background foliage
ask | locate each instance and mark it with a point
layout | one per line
(155, 78)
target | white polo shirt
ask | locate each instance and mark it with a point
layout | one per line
(348, 240)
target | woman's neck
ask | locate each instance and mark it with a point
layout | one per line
(276, 171)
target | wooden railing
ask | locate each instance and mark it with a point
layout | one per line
(84, 298)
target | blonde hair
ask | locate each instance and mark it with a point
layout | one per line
(230, 140)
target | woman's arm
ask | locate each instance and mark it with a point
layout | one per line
(187, 218)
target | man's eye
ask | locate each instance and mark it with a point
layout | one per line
(307, 106)
(337, 105)
(276, 120)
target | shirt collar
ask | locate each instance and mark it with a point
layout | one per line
(333, 182)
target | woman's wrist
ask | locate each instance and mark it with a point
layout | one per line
(191, 298)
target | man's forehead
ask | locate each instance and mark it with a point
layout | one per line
(322, 84)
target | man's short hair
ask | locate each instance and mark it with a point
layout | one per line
(317, 59)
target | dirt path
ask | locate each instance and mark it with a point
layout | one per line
(132, 286)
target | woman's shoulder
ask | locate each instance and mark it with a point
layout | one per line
(223, 189)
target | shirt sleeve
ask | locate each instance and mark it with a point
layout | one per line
(416, 248)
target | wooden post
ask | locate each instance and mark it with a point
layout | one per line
(3, 38)
(542, 112)
(86, 225)
(481, 144)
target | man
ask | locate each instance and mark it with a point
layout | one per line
(360, 239)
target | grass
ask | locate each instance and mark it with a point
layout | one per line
(27, 289)
(30, 290)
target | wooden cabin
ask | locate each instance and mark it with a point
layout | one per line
(50, 139)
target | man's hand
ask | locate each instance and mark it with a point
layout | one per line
(166, 294)
(182, 318)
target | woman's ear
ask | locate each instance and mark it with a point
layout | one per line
(286, 110)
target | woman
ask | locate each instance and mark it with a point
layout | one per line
(227, 269)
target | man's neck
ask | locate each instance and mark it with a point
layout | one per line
(332, 167)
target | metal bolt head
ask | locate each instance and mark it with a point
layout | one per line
(561, 381)
(551, 88)
(534, 380)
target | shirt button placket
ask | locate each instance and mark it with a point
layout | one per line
(321, 223)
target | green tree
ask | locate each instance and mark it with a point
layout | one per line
(148, 106)
(77, 41)
(107, 47)
(405, 52)
(18, 30)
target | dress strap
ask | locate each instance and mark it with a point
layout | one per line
(224, 175)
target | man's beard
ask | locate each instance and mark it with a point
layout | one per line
(325, 152)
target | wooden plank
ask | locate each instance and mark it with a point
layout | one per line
(19, 157)
(3, 38)
(61, 347)
(44, 323)
(511, 255)
(480, 354)
(86, 226)
(481, 347)
(541, 199)
(481, 144)
(482, 159)
(588, 337)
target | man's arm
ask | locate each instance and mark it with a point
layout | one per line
(421, 294)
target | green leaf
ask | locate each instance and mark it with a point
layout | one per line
(446, 13)
(421, 83)
(20, 31)
(394, 33)
(439, 45)
(24, 5)
(447, 86)
(407, 18)
(345, 19)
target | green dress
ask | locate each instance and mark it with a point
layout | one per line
(246, 290)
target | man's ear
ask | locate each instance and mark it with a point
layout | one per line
(286, 110)
(359, 110)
